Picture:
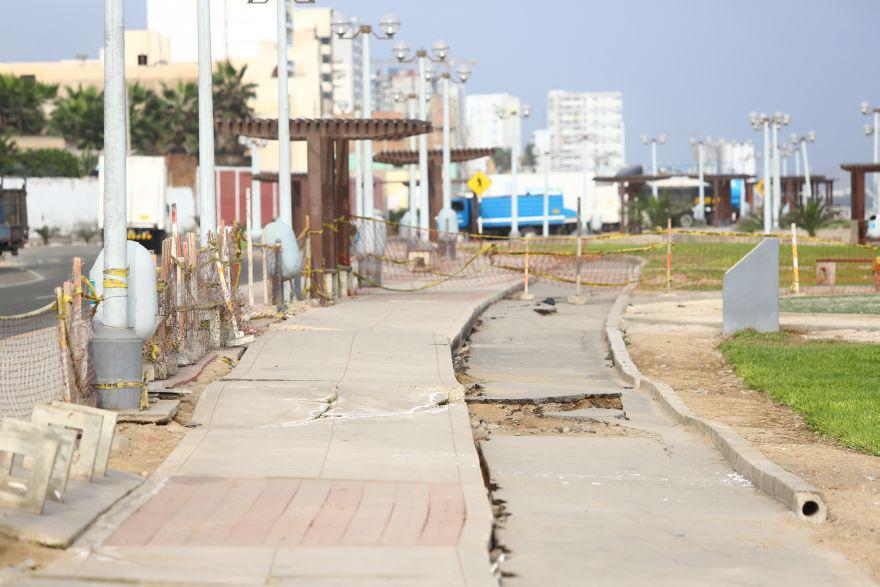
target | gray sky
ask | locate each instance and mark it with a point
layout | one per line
(683, 65)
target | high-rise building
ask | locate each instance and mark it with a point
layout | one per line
(596, 118)
(484, 128)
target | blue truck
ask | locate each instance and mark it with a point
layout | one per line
(492, 214)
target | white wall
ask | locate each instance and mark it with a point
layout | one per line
(62, 202)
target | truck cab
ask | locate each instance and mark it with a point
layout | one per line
(13, 214)
(492, 214)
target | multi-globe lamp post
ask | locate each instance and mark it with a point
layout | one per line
(654, 141)
(802, 141)
(873, 130)
(519, 114)
(411, 218)
(779, 120)
(762, 122)
(343, 28)
(439, 54)
(701, 174)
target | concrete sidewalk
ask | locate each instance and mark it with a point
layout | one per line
(337, 452)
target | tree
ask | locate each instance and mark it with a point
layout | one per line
(813, 217)
(501, 158)
(180, 118)
(530, 158)
(21, 104)
(8, 155)
(145, 115)
(79, 118)
(232, 97)
(49, 163)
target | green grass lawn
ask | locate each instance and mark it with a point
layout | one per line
(835, 385)
(869, 304)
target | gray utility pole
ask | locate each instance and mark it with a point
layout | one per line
(424, 197)
(115, 347)
(285, 209)
(207, 200)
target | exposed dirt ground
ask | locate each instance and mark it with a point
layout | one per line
(686, 357)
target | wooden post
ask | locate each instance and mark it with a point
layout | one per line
(668, 255)
(795, 276)
(307, 255)
(580, 251)
(526, 295)
(250, 247)
(77, 290)
(265, 268)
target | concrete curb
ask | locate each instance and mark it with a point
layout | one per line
(805, 500)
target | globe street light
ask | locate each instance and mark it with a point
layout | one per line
(779, 120)
(402, 54)
(503, 113)
(701, 166)
(867, 110)
(796, 140)
(588, 207)
(447, 220)
(411, 218)
(762, 122)
(653, 141)
(343, 28)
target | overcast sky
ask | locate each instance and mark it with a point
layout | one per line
(684, 66)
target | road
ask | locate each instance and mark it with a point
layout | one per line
(28, 282)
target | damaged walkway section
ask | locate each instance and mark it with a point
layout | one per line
(338, 452)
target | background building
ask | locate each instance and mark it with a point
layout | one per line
(485, 129)
(723, 156)
(573, 115)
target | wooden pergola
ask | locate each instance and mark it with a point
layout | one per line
(721, 189)
(793, 185)
(327, 194)
(435, 168)
(857, 172)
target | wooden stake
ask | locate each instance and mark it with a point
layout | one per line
(668, 255)
(265, 269)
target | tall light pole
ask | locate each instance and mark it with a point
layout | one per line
(389, 25)
(759, 122)
(874, 131)
(519, 114)
(796, 140)
(780, 119)
(701, 170)
(254, 146)
(588, 206)
(654, 141)
(207, 201)
(412, 214)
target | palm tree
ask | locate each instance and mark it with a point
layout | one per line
(145, 114)
(813, 217)
(21, 104)
(79, 118)
(232, 97)
(180, 120)
(8, 155)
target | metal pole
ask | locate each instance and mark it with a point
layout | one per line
(369, 200)
(424, 204)
(777, 181)
(797, 163)
(447, 150)
(768, 218)
(877, 159)
(284, 173)
(580, 252)
(514, 169)
(207, 203)
(701, 161)
(358, 174)
(808, 185)
(256, 190)
(413, 189)
(546, 226)
(582, 220)
(115, 198)
(654, 166)
(795, 275)
(250, 246)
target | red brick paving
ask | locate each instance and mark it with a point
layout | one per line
(296, 512)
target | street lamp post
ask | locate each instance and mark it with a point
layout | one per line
(701, 170)
(390, 25)
(653, 141)
(796, 140)
(519, 114)
(207, 202)
(587, 204)
(874, 131)
(759, 122)
(779, 120)
(411, 218)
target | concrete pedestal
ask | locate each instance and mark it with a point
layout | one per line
(116, 353)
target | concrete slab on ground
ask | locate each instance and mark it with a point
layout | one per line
(62, 523)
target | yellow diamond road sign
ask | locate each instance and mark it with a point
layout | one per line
(479, 184)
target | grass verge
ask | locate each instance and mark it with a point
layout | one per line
(834, 385)
(869, 304)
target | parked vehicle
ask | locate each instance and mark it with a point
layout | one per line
(147, 190)
(13, 214)
(492, 215)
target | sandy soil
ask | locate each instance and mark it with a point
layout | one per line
(686, 357)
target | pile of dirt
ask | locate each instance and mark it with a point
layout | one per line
(686, 357)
